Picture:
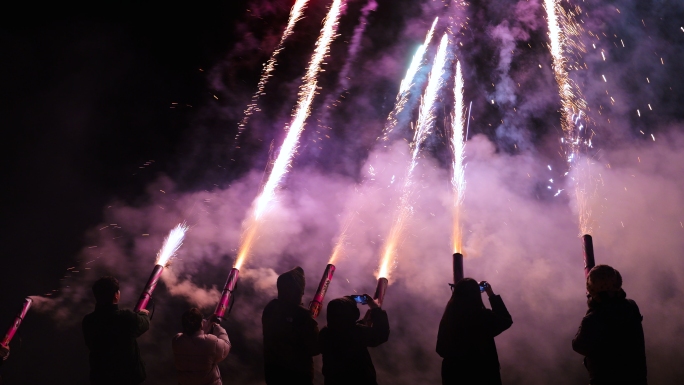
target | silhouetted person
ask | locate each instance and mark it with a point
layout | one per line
(611, 337)
(196, 353)
(110, 335)
(290, 333)
(344, 342)
(466, 335)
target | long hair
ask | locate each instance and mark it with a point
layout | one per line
(461, 317)
(466, 299)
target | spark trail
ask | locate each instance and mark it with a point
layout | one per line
(426, 121)
(458, 172)
(562, 29)
(281, 166)
(296, 14)
(171, 244)
(407, 82)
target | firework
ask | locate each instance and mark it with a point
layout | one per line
(426, 120)
(317, 303)
(562, 28)
(458, 145)
(380, 290)
(458, 267)
(226, 301)
(171, 245)
(282, 163)
(588, 248)
(17, 322)
(409, 79)
(295, 15)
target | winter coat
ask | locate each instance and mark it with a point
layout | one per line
(110, 335)
(467, 344)
(196, 356)
(345, 351)
(612, 340)
(290, 342)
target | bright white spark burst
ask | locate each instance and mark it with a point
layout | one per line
(426, 119)
(295, 15)
(458, 145)
(417, 60)
(171, 244)
(307, 92)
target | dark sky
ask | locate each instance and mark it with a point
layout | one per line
(96, 105)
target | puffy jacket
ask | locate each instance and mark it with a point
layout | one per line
(290, 342)
(110, 335)
(612, 340)
(468, 346)
(197, 356)
(345, 351)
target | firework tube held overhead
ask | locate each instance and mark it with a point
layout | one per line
(588, 246)
(226, 301)
(149, 288)
(380, 290)
(317, 303)
(458, 267)
(17, 322)
(171, 245)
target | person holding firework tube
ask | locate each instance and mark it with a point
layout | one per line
(466, 334)
(611, 337)
(196, 353)
(110, 335)
(345, 341)
(290, 333)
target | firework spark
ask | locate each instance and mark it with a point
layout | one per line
(426, 120)
(562, 29)
(458, 146)
(171, 244)
(341, 240)
(296, 14)
(307, 92)
(408, 81)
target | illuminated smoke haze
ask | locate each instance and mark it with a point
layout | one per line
(516, 234)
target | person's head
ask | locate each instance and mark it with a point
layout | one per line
(106, 290)
(467, 295)
(342, 313)
(603, 282)
(192, 321)
(291, 285)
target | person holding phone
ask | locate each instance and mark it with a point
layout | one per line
(466, 334)
(344, 342)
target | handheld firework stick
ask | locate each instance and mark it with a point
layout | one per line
(168, 250)
(317, 303)
(149, 288)
(458, 267)
(17, 322)
(380, 290)
(226, 301)
(588, 247)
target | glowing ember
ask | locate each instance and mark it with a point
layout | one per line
(458, 146)
(295, 15)
(171, 244)
(282, 163)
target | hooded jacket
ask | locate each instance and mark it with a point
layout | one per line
(345, 349)
(612, 340)
(290, 336)
(110, 335)
(196, 356)
(467, 344)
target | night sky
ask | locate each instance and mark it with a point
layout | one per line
(106, 107)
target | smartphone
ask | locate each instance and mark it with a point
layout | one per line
(483, 286)
(359, 299)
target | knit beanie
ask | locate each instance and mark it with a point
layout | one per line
(603, 278)
(292, 280)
